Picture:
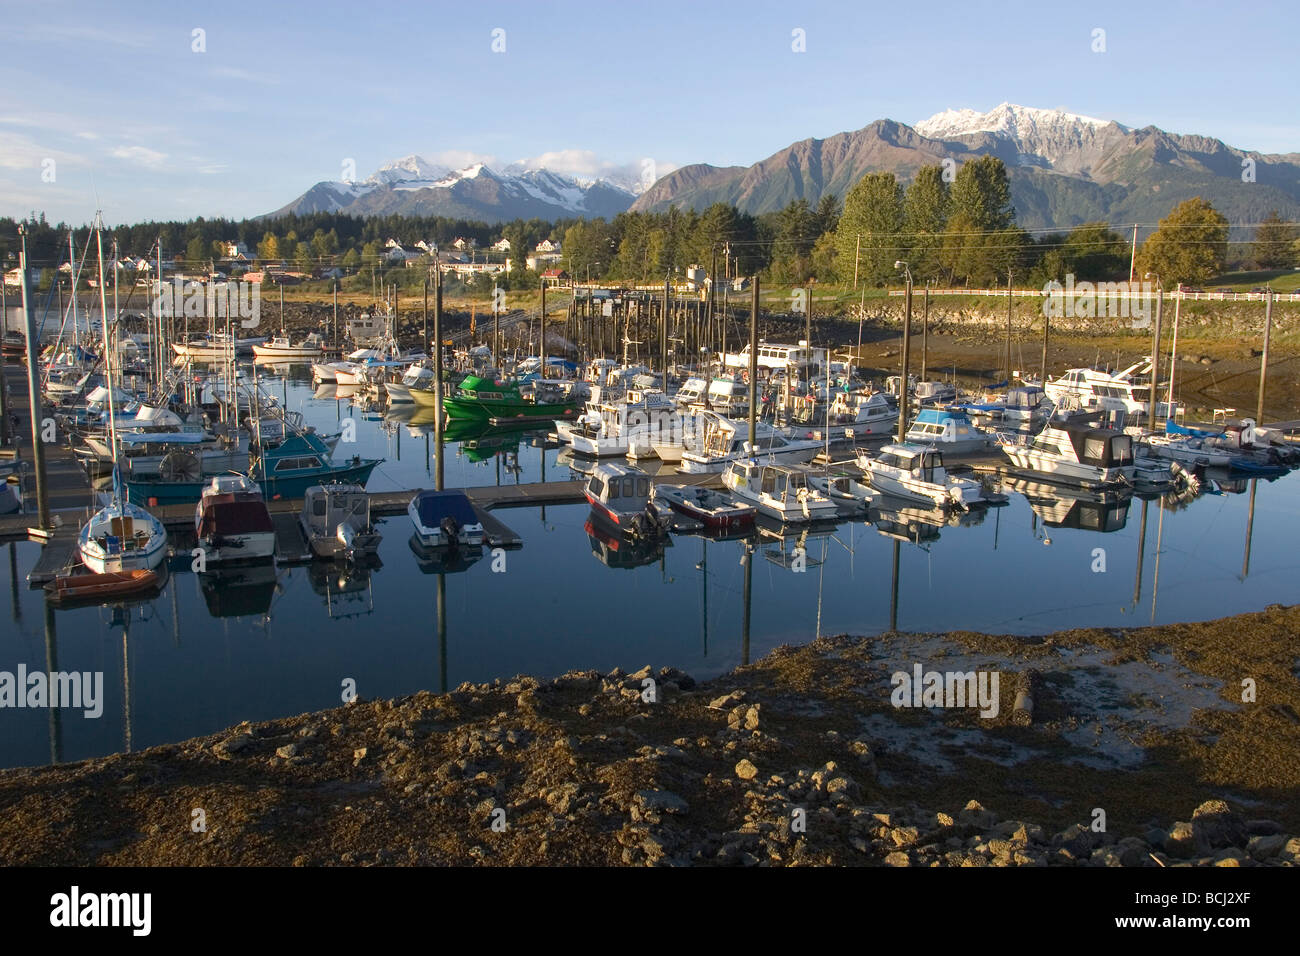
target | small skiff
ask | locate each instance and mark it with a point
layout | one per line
(86, 587)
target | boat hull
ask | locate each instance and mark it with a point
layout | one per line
(164, 492)
(102, 586)
(488, 410)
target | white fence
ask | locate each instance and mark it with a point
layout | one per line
(1169, 294)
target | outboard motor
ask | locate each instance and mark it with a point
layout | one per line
(450, 530)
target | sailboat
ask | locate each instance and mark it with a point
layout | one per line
(120, 536)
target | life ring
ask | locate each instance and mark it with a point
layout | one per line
(744, 376)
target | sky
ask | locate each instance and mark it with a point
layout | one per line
(176, 110)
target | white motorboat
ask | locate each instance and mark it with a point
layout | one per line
(628, 426)
(336, 521)
(417, 376)
(934, 393)
(281, 349)
(1099, 390)
(849, 491)
(232, 522)
(949, 430)
(1074, 452)
(863, 413)
(445, 519)
(778, 491)
(621, 495)
(1188, 450)
(916, 472)
(724, 440)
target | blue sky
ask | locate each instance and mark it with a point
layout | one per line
(139, 124)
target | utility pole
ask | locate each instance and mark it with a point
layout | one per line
(1132, 260)
(1263, 359)
(541, 338)
(34, 390)
(426, 309)
(336, 313)
(857, 253)
(753, 370)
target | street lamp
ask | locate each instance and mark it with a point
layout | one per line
(907, 347)
(1155, 349)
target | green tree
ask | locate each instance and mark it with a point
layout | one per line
(827, 215)
(925, 215)
(351, 260)
(982, 192)
(1275, 240)
(1096, 253)
(302, 258)
(1190, 245)
(196, 253)
(981, 240)
(873, 214)
(268, 249)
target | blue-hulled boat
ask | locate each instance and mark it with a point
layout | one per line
(285, 471)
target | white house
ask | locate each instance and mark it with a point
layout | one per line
(463, 244)
(501, 245)
(236, 250)
(547, 246)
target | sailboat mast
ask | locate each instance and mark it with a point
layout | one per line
(1173, 355)
(108, 352)
(72, 276)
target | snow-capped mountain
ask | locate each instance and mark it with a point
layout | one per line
(410, 170)
(1064, 168)
(1056, 139)
(415, 186)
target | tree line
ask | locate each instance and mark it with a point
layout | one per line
(952, 226)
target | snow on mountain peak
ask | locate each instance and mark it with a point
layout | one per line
(1048, 134)
(408, 169)
(1005, 118)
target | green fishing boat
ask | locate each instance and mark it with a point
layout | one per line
(483, 399)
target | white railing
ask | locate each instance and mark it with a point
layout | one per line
(1169, 294)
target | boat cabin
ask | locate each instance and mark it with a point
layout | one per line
(618, 491)
(1100, 447)
(923, 463)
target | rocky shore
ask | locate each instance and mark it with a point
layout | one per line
(1109, 748)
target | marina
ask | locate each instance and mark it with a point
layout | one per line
(386, 483)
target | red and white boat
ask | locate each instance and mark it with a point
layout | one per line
(620, 495)
(717, 510)
(232, 522)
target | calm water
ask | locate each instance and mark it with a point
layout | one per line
(262, 643)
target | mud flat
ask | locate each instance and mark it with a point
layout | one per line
(798, 759)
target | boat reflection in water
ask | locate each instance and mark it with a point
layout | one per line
(786, 545)
(916, 524)
(444, 560)
(239, 591)
(616, 550)
(345, 586)
(1074, 508)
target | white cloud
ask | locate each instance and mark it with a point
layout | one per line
(246, 76)
(140, 155)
